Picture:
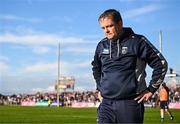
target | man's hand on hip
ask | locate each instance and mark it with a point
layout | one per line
(144, 96)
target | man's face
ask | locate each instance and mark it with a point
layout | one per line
(111, 29)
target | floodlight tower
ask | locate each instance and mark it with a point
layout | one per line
(172, 76)
(58, 76)
(160, 40)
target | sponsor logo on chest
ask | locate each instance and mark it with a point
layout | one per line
(105, 51)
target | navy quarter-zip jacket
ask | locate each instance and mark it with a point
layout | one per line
(119, 66)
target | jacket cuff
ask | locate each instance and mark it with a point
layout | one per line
(152, 89)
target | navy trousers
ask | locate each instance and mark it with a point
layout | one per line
(120, 111)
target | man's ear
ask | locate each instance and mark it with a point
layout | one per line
(120, 23)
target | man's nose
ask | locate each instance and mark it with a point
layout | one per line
(107, 31)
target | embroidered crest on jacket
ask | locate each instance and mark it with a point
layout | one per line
(124, 50)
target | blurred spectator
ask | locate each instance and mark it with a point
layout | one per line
(164, 101)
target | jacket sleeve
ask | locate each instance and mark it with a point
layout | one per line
(96, 68)
(156, 61)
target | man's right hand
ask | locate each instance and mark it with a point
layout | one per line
(100, 97)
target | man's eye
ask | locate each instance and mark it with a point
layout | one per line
(111, 25)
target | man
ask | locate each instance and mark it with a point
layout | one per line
(164, 100)
(119, 70)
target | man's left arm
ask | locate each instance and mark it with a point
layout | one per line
(159, 65)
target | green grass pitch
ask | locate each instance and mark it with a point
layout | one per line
(60, 115)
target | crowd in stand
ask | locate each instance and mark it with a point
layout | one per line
(67, 98)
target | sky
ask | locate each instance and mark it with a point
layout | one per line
(30, 31)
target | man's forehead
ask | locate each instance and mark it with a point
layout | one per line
(106, 17)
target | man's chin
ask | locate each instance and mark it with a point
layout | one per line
(110, 38)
